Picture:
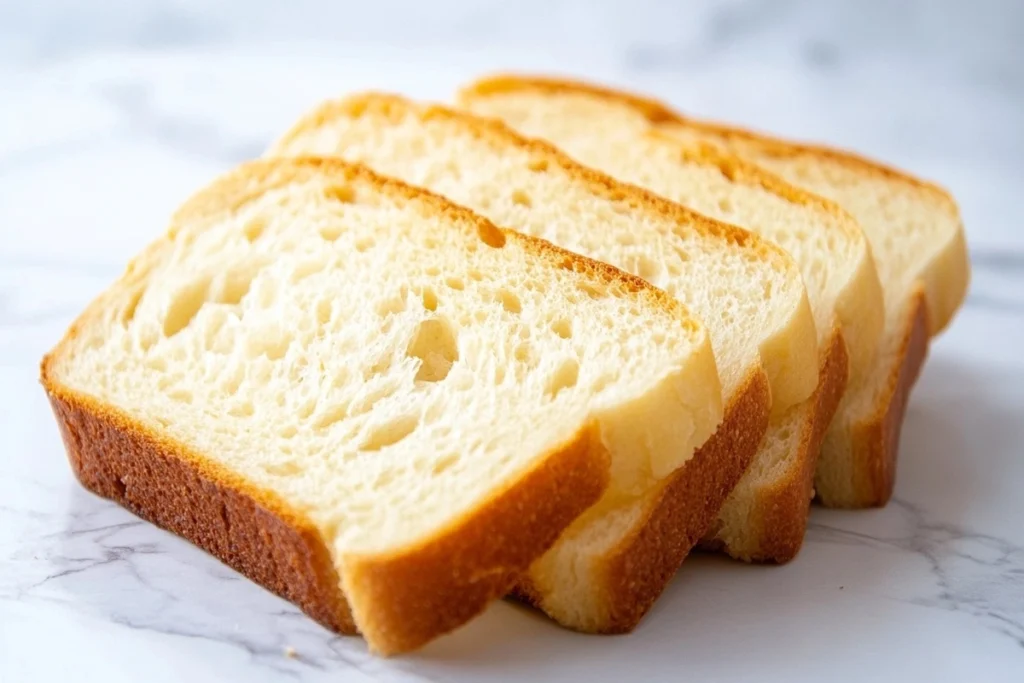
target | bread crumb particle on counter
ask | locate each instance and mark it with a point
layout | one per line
(290, 652)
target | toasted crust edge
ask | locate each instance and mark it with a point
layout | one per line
(778, 535)
(415, 595)
(878, 436)
(659, 113)
(786, 506)
(490, 130)
(558, 489)
(875, 441)
(636, 572)
(234, 189)
(864, 282)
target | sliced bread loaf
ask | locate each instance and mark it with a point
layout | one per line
(766, 515)
(609, 566)
(918, 241)
(369, 400)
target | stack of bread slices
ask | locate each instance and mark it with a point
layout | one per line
(540, 343)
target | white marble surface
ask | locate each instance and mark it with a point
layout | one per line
(112, 112)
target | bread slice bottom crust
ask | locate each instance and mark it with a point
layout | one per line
(636, 571)
(875, 440)
(260, 536)
(776, 534)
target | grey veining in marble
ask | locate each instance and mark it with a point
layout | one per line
(112, 112)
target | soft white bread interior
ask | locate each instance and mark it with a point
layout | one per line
(383, 374)
(766, 516)
(917, 240)
(612, 563)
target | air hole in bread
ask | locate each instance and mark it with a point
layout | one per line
(184, 306)
(272, 342)
(365, 243)
(156, 363)
(235, 285)
(491, 236)
(729, 170)
(343, 194)
(389, 433)
(133, 303)
(330, 232)
(538, 165)
(432, 271)
(180, 395)
(521, 198)
(509, 301)
(323, 311)
(524, 353)
(379, 367)
(647, 268)
(254, 228)
(332, 414)
(562, 327)
(429, 299)
(594, 291)
(725, 205)
(391, 305)
(288, 432)
(475, 275)
(455, 283)
(435, 344)
(444, 464)
(307, 268)
(306, 408)
(245, 409)
(565, 377)
(383, 479)
(266, 293)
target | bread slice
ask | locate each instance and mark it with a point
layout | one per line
(917, 236)
(369, 400)
(766, 515)
(917, 239)
(609, 566)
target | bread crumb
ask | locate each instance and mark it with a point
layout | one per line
(290, 652)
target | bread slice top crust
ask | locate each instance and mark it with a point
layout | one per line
(613, 131)
(385, 364)
(747, 291)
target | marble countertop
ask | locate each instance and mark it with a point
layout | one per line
(113, 112)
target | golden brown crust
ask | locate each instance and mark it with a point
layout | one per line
(876, 440)
(733, 167)
(441, 585)
(659, 113)
(252, 531)
(255, 532)
(680, 514)
(495, 132)
(786, 505)
(411, 597)
(677, 515)
(233, 190)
